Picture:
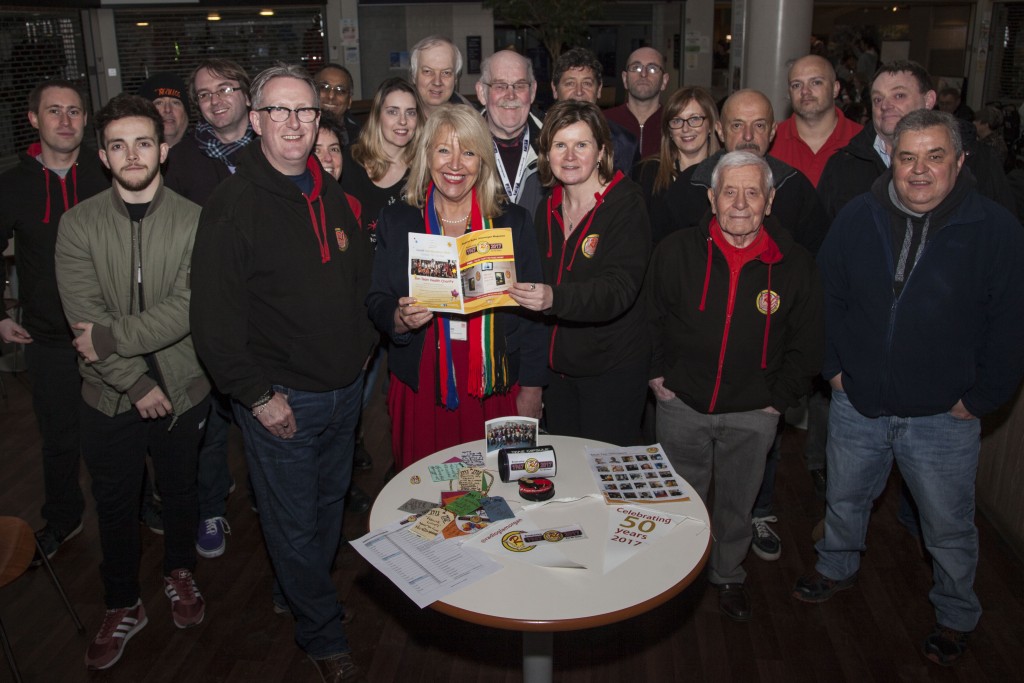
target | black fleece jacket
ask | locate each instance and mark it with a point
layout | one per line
(796, 204)
(32, 201)
(596, 325)
(278, 283)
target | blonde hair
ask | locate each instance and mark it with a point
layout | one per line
(465, 123)
(368, 151)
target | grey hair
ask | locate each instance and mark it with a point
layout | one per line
(485, 66)
(427, 43)
(295, 71)
(920, 119)
(736, 160)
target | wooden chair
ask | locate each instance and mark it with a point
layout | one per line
(17, 546)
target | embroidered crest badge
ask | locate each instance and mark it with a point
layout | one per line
(589, 247)
(766, 298)
(342, 239)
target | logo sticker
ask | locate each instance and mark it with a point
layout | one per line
(766, 298)
(342, 238)
(513, 541)
(590, 245)
(531, 465)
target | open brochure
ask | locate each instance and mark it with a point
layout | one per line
(462, 274)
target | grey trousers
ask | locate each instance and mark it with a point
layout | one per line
(729, 448)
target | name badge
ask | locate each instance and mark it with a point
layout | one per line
(459, 330)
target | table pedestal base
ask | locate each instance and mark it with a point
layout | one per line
(538, 653)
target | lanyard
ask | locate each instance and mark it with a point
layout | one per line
(512, 191)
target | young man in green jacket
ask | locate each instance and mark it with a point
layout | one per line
(123, 260)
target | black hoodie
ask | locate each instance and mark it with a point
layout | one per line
(32, 200)
(278, 283)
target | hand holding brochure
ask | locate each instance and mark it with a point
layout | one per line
(462, 274)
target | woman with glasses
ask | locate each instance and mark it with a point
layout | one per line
(687, 138)
(384, 150)
(449, 372)
(595, 242)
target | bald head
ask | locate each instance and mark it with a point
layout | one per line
(747, 123)
(813, 88)
(644, 76)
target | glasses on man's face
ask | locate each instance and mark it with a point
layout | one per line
(339, 90)
(649, 69)
(207, 96)
(695, 121)
(519, 87)
(282, 114)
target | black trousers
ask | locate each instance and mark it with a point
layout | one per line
(605, 407)
(56, 395)
(114, 449)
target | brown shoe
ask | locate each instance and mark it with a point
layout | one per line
(733, 601)
(337, 668)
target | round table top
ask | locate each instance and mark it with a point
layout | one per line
(526, 597)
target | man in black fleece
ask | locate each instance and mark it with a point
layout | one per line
(51, 177)
(734, 310)
(923, 296)
(280, 272)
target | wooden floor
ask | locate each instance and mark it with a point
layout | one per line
(869, 633)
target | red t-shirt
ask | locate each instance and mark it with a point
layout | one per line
(788, 146)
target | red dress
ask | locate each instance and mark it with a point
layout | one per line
(420, 427)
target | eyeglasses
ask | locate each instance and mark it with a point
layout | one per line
(205, 96)
(282, 114)
(501, 88)
(339, 90)
(651, 69)
(695, 121)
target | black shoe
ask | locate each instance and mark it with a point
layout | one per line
(944, 645)
(733, 601)
(816, 587)
(820, 481)
(337, 668)
(50, 539)
(361, 459)
(357, 500)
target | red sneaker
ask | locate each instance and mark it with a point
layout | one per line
(118, 626)
(187, 605)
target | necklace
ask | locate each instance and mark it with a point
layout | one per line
(455, 221)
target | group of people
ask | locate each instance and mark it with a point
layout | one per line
(665, 250)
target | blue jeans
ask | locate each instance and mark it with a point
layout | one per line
(300, 484)
(938, 458)
(214, 473)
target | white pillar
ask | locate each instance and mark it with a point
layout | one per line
(777, 31)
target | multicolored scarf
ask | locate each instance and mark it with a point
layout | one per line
(211, 146)
(488, 362)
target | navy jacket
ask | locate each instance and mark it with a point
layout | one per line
(956, 330)
(524, 335)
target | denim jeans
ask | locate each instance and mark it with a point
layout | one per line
(56, 395)
(732, 447)
(114, 450)
(214, 475)
(938, 458)
(300, 484)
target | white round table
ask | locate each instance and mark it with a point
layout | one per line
(540, 600)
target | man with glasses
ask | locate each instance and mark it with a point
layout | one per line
(507, 89)
(435, 66)
(50, 178)
(817, 129)
(335, 83)
(644, 79)
(280, 323)
(195, 166)
(577, 76)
